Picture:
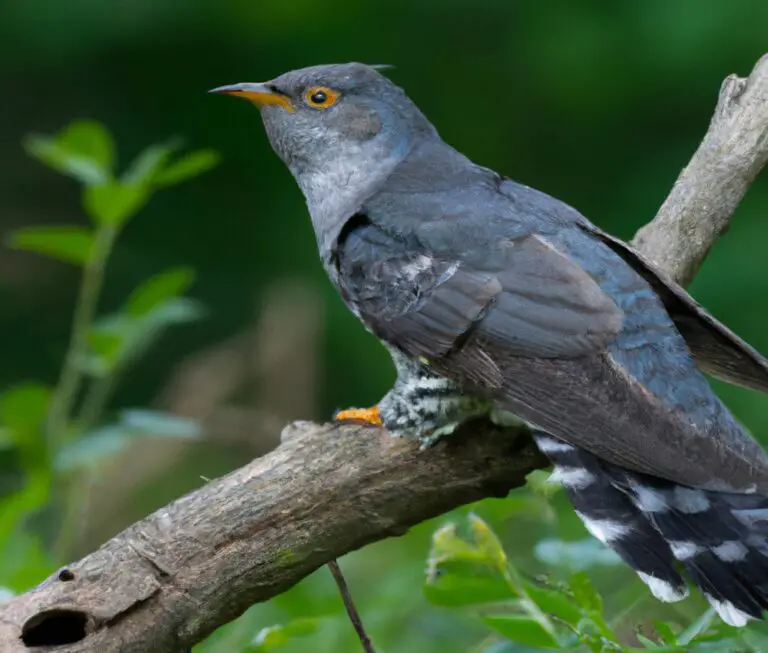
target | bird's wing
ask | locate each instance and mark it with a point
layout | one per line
(523, 324)
(542, 304)
(715, 348)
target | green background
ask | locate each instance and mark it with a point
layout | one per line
(598, 103)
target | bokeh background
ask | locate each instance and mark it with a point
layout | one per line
(600, 104)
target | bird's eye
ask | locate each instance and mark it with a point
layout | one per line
(321, 97)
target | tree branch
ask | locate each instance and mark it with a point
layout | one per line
(704, 198)
(169, 580)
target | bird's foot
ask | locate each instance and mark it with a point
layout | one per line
(427, 433)
(370, 416)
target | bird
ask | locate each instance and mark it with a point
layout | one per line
(497, 300)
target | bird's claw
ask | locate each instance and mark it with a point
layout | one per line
(371, 416)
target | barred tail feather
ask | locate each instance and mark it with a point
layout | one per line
(719, 539)
(609, 515)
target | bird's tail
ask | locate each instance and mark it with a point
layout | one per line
(720, 539)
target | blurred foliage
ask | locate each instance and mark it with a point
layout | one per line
(53, 438)
(600, 104)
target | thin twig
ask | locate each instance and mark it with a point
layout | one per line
(95, 401)
(65, 394)
(349, 604)
(58, 432)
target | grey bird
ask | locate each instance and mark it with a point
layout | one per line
(496, 299)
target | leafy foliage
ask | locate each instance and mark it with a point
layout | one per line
(474, 573)
(71, 243)
(49, 435)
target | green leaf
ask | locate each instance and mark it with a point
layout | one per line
(273, 637)
(158, 289)
(180, 310)
(145, 167)
(645, 641)
(665, 632)
(590, 602)
(448, 547)
(84, 150)
(117, 339)
(23, 559)
(90, 139)
(113, 203)
(461, 584)
(585, 594)
(23, 409)
(69, 243)
(669, 647)
(555, 604)
(509, 647)
(488, 542)
(16, 551)
(700, 628)
(106, 349)
(193, 164)
(521, 629)
(589, 635)
(154, 422)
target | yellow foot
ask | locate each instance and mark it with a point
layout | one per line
(366, 415)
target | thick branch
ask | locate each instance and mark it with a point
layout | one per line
(172, 578)
(168, 581)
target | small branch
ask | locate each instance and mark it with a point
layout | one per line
(351, 608)
(74, 490)
(168, 581)
(704, 198)
(65, 394)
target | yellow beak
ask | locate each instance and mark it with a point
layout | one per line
(261, 95)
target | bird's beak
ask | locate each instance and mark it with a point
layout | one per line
(261, 95)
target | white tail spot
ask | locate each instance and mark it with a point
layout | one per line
(751, 517)
(605, 530)
(690, 501)
(663, 590)
(574, 478)
(729, 613)
(685, 550)
(550, 445)
(732, 551)
(647, 499)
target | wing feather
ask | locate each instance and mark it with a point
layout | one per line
(529, 327)
(536, 300)
(716, 349)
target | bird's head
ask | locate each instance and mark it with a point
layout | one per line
(341, 129)
(328, 120)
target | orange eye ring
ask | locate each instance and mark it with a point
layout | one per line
(321, 97)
